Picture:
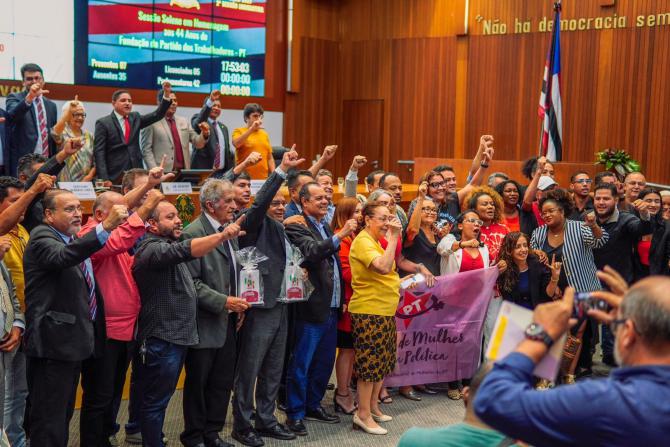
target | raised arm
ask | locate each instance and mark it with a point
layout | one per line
(54, 255)
(326, 156)
(476, 161)
(384, 264)
(351, 180)
(487, 151)
(12, 215)
(531, 191)
(415, 219)
(158, 114)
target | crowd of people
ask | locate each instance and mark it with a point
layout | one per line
(83, 297)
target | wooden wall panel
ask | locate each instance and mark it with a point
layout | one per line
(442, 90)
(312, 117)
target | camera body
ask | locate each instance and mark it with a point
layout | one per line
(584, 302)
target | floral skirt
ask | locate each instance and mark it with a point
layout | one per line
(374, 346)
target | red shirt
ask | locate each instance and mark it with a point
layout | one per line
(112, 269)
(643, 248)
(493, 236)
(538, 215)
(344, 323)
(512, 223)
(469, 263)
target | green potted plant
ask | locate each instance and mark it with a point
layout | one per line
(617, 161)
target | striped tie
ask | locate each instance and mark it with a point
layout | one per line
(217, 155)
(92, 301)
(42, 120)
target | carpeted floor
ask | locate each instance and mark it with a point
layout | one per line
(431, 411)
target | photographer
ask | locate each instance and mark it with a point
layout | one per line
(630, 407)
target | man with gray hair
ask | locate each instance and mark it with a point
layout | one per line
(496, 178)
(210, 364)
(630, 407)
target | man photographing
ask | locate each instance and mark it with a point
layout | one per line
(630, 407)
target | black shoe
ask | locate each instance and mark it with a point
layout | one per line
(248, 437)
(321, 415)
(297, 426)
(279, 431)
(218, 442)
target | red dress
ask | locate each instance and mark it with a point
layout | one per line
(469, 263)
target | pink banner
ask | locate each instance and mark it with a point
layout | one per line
(440, 329)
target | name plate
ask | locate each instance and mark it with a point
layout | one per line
(176, 188)
(256, 186)
(83, 190)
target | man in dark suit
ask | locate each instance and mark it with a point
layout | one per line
(4, 146)
(65, 323)
(31, 115)
(264, 332)
(117, 135)
(210, 365)
(316, 319)
(217, 153)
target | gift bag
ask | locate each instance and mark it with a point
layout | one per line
(296, 286)
(250, 283)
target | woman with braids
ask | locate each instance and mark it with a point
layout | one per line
(526, 281)
(571, 242)
(515, 217)
(343, 401)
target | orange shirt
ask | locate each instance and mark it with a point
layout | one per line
(258, 141)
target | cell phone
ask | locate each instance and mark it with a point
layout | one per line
(584, 302)
(418, 278)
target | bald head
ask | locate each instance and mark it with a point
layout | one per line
(104, 202)
(647, 304)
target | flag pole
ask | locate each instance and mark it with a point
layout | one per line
(557, 8)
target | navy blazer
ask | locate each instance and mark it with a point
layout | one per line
(4, 142)
(23, 128)
(321, 258)
(58, 325)
(204, 158)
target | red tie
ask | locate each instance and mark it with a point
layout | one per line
(178, 151)
(42, 121)
(126, 132)
(217, 155)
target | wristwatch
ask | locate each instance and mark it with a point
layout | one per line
(536, 332)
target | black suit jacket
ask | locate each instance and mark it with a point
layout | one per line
(58, 325)
(318, 254)
(112, 155)
(266, 234)
(204, 158)
(539, 278)
(23, 128)
(5, 143)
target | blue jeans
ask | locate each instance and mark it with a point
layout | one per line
(16, 392)
(311, 365)
(157, 376)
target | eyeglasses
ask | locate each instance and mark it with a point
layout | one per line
(437, 185)
(382, 219)
(78, 115)
(472, 220)
(584, 181)
(429, 210)
(614, 324)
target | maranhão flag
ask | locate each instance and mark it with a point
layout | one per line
(550, 111)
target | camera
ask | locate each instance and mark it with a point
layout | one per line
(584, 302)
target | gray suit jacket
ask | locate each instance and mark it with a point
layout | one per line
(156, 141)
(211, 276)
(18, 315)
